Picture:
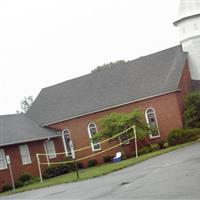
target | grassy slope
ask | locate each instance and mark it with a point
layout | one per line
(94, 171)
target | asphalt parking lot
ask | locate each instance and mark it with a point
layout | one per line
(175, 175)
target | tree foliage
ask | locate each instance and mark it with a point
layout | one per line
(99, 68)
(115, 123)
(192, 110)
(26, 103)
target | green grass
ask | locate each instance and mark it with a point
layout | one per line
(94, 171)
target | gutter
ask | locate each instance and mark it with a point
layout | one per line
(32, 140)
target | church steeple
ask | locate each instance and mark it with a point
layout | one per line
(188, 23)
(188, 8)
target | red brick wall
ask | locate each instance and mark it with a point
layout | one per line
(18, 168)
(186, 86)
(167, 111)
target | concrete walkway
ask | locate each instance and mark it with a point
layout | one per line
(175, 175)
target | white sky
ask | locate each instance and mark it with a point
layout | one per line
(44, 42)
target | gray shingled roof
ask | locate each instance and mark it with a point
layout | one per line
(124, 82)
(18, 128)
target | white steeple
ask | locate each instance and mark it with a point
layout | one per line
(188, 24)
(188, 8)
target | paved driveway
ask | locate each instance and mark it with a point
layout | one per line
(175, 175)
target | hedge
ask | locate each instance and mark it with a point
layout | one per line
(180, 136)
(57, 170)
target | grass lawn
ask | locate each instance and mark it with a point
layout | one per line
(94, 171)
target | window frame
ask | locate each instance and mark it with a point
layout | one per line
(4, 159)
(50, 154)
(27, 154)
(147, 121)
(90, 136)
(124, 138)
(65, 132)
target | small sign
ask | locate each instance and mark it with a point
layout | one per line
(8, 159)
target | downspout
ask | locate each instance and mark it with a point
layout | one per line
(64, 144)
(45, 149)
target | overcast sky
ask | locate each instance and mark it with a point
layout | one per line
(44, 42)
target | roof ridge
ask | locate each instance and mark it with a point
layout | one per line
(112, 64)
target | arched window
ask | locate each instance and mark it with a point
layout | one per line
(92, 130)
(68, 145)
(151, 120)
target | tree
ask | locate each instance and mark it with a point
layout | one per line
(115, 123)
(99, 68)
(192, 110)
(26, 103)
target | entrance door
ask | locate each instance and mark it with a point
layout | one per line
(68, 145)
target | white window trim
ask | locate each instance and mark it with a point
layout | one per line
(4, 157)
(28, 154)
(147, 120)
(50, 155)
(64, 143)
(90, 136)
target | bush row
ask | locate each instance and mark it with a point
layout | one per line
(180, 136)
(152, 147)
(56, 170)
(24, 179)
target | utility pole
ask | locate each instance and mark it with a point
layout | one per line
(10, 169)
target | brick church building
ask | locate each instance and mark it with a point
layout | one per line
(64, 116)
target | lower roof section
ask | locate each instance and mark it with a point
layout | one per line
(18, 128)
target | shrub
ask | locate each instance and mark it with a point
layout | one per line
(144, 150)
(165, 145)
(180, 136)
(45, 175)
(192, 110)
(36, 179)
(53, 171)
(92, 163)
(6, 187)
(107, 159)
(148, 149)
(25, 177)
(162, 144)
(80, 165)
(154, 147)
(18, 184)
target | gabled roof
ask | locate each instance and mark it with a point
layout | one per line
(18, 128)
(118, 84)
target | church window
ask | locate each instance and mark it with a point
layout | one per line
(25, 155)
(151, 120)
(68, 144)
(92, 130)
(50, 148)
(3, 164)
